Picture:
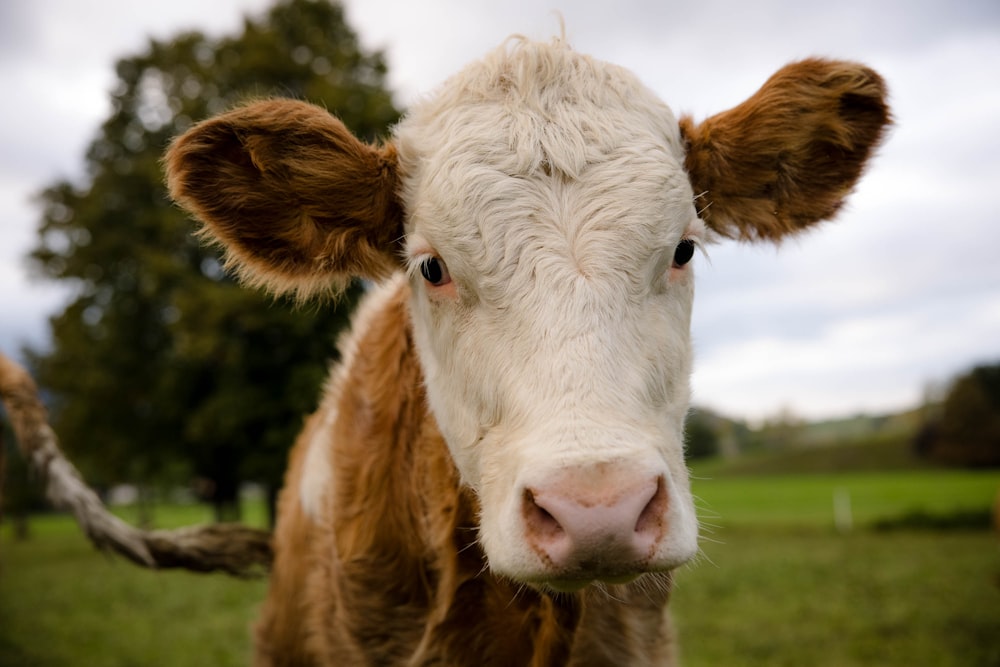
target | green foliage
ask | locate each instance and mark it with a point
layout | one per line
(701, 435)
(160, 357)
(19, 492)
(966, 430)
(786, 443)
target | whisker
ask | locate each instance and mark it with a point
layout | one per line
(467, 547)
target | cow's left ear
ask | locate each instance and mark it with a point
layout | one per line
(299, 204)
(788, 156)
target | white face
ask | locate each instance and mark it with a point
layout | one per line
(549, 232)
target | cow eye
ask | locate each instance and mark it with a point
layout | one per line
(434, 271)
(683, 253)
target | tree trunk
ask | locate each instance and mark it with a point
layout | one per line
(226, 499)
(271, 497)
(22, 528)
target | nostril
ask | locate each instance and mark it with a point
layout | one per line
(652, 518)
(539, 520)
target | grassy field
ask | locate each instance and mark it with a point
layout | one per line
(809, 499)
(777, 584)
(63, 604)
(815, 598)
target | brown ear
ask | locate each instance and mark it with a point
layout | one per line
(299, 203)
(788, 156)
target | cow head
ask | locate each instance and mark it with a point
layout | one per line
(546, 208)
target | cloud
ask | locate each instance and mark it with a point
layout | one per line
(871, 362)
(868, 358)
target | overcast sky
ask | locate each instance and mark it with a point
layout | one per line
(901, 291)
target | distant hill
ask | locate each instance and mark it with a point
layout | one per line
(857, 443)
(859, 428)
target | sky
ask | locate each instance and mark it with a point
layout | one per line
(863, 315)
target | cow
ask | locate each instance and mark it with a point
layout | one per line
(495, 474)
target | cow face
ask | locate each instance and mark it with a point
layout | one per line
(549, 235)
(545, 207)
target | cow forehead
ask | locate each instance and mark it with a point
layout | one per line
(529, 106)
(538, 146)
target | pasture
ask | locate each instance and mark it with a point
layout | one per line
(915, 581)
(777, 583)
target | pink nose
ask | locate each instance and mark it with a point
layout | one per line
(596, 520)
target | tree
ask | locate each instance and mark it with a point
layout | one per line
(782, 431)
(701, 434)
(161, 363)
(966, 428)
(19, 495)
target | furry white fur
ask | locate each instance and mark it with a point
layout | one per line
(553, 188)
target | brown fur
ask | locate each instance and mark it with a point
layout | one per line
(788, 156)
(396, 576)
(299, 204)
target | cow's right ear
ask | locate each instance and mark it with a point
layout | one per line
(299, 204)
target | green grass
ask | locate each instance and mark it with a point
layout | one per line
(777, 583)
(63, 604)
(809, 499)
(775, 598)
